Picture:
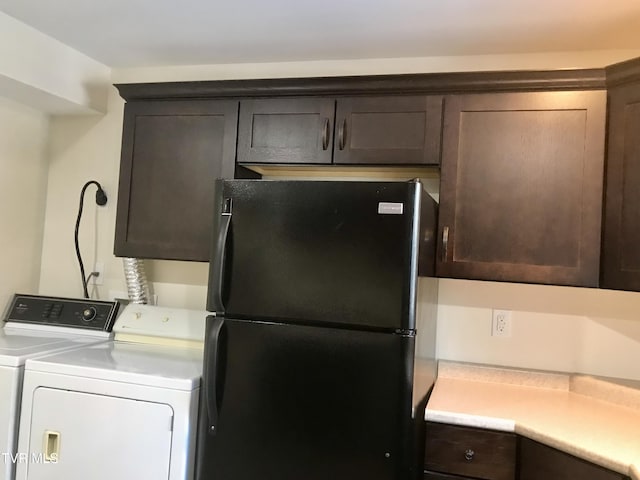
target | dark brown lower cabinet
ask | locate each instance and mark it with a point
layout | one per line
(455, 452)
(540, 462)
(443, 476)
(469, 452)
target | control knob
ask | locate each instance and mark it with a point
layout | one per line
(89, 313)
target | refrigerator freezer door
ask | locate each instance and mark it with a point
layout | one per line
(317, 252)
(298, 402)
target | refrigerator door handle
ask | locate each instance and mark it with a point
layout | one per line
(219, 256)
(210, 371)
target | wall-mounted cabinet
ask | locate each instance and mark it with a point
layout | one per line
(520, 171)
(389, 130)
(521, 187)
(621, 238)
(286, 131)
(172, 152)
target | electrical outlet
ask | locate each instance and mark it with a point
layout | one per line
(501, 323)
(97, 279)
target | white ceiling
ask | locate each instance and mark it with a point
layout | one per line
(128, 33)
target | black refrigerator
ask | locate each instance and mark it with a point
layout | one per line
(309, 355)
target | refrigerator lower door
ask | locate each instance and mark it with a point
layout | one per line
(291, 402)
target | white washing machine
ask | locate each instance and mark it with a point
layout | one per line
(125, 409)
(36, 326)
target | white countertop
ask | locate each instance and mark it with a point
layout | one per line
(590, 418)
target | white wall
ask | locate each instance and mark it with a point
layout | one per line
(41, 72)
(84, 148)
(547, 332)
(23, 183)
(553, 328)
(81, 148)
(375, 66)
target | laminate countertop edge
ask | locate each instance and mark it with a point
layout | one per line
(593, 419)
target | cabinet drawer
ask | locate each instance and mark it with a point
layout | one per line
(468, 451)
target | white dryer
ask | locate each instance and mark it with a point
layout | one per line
(35, 326)
(125, 409)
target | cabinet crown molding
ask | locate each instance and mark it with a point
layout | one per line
(623, 73)
(427, 83)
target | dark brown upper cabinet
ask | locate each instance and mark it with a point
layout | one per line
(172, 152)
(286, 130)
(621, 238)
(178, 137)
(521, 187)
(389, 130)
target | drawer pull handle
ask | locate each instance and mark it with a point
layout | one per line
(468, 454)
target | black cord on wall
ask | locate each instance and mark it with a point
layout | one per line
(101, 199)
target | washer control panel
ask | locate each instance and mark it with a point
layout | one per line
(63, 312)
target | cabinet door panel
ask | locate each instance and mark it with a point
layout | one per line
(621, 255)
(540, 462)
(172, 152)
(521, 187)
(388, 130)
(286, 130)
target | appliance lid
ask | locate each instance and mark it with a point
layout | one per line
(178, 368)
(17, 345)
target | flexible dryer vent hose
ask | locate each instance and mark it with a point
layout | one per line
(136, 278)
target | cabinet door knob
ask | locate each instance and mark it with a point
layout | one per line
(468, 454)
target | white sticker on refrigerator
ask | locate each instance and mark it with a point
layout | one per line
(390, 208)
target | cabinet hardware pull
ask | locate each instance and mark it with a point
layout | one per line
(445, 243)
(468, 454)
(325, 134)
(342, 134)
